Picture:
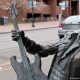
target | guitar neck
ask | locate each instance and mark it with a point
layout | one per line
(25, 61)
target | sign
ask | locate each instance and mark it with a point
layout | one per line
(66, 4)
(62, 5)
(32, 4)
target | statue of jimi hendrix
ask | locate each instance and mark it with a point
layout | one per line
(65, 64)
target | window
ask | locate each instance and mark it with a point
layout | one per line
(45, 1)
(58, 1)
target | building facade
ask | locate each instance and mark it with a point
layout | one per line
(42, 8)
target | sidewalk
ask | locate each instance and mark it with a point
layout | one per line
(28, 26)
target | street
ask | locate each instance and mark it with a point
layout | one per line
(9, 48)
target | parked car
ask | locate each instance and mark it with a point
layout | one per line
(69, 25)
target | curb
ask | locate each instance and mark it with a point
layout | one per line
(31, 29)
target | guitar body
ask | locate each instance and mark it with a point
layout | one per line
(22, 73)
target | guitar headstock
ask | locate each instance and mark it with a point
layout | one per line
(13, 9)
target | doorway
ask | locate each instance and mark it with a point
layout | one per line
(74, 7)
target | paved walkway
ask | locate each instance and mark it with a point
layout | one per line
(28, 26)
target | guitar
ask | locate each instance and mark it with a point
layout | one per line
(36, 69)
(24, 70)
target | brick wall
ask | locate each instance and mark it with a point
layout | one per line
(43, 8)
(51, 9)
(4, 8)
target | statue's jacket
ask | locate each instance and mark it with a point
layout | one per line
(65, 50)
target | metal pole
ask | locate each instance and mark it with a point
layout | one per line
(33, 15)
(60, 17)
(65, 8)
(65, 4)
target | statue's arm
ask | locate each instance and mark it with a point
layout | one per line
(32, 47)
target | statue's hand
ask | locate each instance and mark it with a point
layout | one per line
(16, 35)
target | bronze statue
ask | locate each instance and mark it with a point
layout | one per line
(64, 66)
(64, 50)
